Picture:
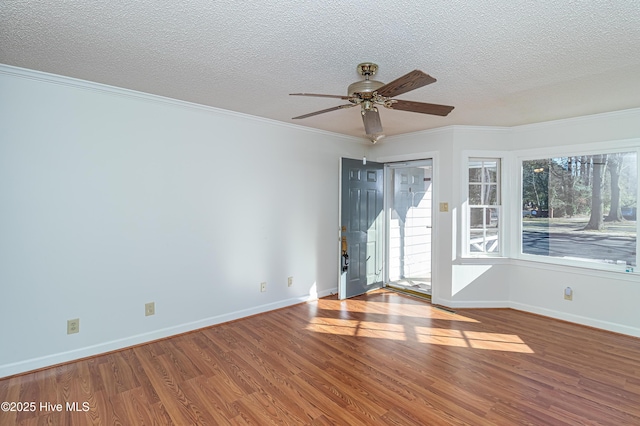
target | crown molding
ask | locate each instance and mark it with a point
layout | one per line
(631, 112)
(76, 83)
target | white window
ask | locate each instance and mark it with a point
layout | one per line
(484, 206)
(581, 208)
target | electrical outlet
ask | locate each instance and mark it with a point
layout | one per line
(149, 309)
(290, 281)
(263, 286)
(73, 326)
(568, 293)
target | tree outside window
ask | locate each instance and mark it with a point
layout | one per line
(581, 207)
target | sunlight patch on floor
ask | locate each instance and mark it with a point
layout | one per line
(421, 310)
(428, 335)
(472, 339)
(357, 328)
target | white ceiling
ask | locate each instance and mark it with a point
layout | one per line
(499, 62)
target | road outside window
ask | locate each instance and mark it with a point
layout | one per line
(581, 207)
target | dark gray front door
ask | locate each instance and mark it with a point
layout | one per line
(362, 227)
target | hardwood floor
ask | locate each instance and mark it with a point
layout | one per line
(383, 358)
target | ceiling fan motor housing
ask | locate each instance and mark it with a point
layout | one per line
(364, 88)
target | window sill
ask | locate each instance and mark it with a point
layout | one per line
(483, 260)
(586, 269)
(579, 267)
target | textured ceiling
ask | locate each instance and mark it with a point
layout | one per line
(499, 62)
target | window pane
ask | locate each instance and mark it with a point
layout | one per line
(491, 241)
(581, 207)
(491, 194)
(477, 217)
(483, 232)
(476, 241)
(475, 171)
(475, 197)
(494, 217)
(491, 171)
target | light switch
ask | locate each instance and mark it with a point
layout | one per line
(444, 207)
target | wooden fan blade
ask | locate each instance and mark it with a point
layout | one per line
(406, 83)
(320, 96)
(324, 110)
(422, 107)
(372, 123)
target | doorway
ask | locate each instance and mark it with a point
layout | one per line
(409, 207)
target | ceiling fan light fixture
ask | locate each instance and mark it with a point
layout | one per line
(375, 138)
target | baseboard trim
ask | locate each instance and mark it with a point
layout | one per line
(578, 319)
(550, 313)
(52, 360)
(29, 365)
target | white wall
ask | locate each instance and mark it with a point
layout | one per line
(111, 199)
(453, 284)
(607, 300)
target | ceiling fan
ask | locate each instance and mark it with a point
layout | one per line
(370, 93)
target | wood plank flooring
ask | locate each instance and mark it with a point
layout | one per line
(382, 358)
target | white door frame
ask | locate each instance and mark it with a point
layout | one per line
(435, 255)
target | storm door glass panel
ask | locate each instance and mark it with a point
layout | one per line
(410, 226)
